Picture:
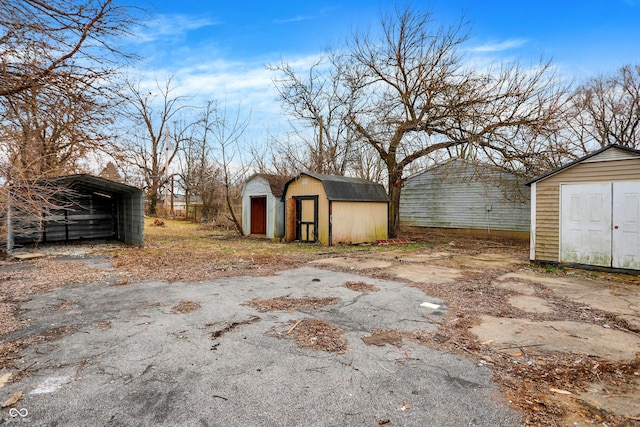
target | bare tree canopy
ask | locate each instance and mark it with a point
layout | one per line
(199, 172)
(607, 110)
(319, 101)
(412, 95)
(150, 145)
(57, 60)
(48, 132)
(227, 134)
(42, 39)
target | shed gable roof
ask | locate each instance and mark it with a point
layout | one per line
(589, 157)
(276, 182)
(343, 188)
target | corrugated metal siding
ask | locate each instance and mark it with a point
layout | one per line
(94, 216)
(457, 195)
(548, 196)
(130, 218)
(359, 222)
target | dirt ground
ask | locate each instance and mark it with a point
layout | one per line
(563, 344)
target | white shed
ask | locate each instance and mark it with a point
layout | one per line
(262, 207)
(587, 212)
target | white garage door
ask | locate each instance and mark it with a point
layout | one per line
(600, 224)
(626, 225)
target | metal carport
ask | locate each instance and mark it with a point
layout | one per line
(100, 209)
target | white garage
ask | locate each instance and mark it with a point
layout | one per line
(588, 212)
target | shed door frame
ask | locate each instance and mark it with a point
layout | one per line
(600, 224)
(258, 215)
(306, 218)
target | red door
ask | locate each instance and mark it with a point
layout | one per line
(258, 215)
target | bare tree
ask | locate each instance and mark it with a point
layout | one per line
(414, 97)
(606, 110)
(199, 173)
(227, 133)
(319, 101)
(48, 131)
(149, 146)
(56, 59)
(41, 40)
(271, 158)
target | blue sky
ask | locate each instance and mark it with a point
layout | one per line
(218, 49)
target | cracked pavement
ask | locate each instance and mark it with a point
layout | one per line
(128, 359)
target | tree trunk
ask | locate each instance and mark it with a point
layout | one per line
(153, 201)
(395, 187)
(234, 218)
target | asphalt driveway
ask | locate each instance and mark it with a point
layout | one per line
(129, 355)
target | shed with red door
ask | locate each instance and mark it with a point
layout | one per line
(262, 207)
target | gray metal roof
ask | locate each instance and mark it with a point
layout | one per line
(343, 188)
(95, 183)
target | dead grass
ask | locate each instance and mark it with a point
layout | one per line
(181, 251)
(317, 334)
(185, 306)
(361, 287)
(290, 304)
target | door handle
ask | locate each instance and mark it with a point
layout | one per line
(615, 227)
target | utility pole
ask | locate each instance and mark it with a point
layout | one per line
(172, 193)
(320, 148)
(166, 171)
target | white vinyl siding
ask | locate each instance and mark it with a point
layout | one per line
(459, 195)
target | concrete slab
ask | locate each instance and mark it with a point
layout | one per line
(620, 299)
(27, 256)
(425, 273)
(134, 361)
(563, 336)
(519, 287)
(530, 304)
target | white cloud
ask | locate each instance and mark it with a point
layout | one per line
(297, 18)
(499, 46)
(166, 26)
(247, 86)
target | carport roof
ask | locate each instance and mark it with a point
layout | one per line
(343, 188)
(94, 183)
